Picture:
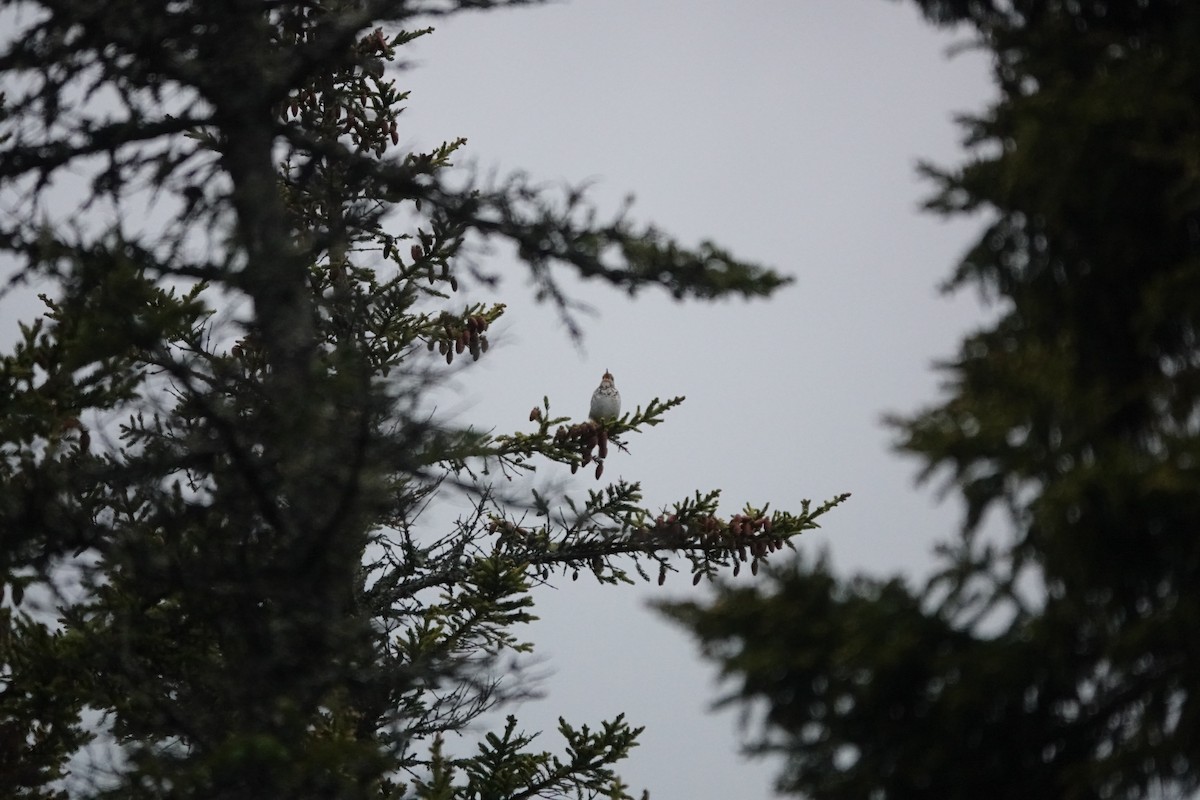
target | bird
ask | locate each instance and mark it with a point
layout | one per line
(606, 400)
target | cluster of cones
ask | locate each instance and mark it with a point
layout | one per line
(590, 436)
(746, 538)
(465, 337)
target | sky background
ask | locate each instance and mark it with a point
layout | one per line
(788, 132)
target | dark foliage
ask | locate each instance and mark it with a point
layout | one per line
(1062, 658)
(216, 448)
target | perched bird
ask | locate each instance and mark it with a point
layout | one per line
(606, 400)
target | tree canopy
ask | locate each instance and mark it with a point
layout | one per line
(215, 454)
(1057, 657)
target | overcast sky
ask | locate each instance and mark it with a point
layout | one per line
(789, 132)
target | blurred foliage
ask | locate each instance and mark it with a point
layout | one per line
(219, 445)
(1057, 655)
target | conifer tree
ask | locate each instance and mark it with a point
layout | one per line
(215, 452)
(1058, 658)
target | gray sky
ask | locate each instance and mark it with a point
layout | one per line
(787, 131)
